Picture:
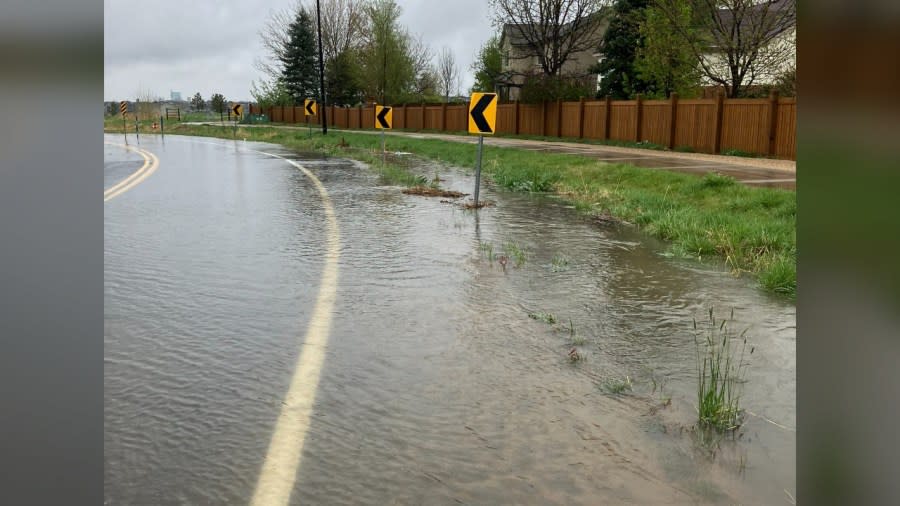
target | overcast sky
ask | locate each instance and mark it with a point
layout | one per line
(210, 45)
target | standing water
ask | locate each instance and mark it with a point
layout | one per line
(448, 377)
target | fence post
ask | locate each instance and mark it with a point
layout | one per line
(444, 117)
(606, 120)
(581, 118)
(773, 120)
(544, 119)
(517, 117)
(720, 105)
(673, 118)
(639, 116)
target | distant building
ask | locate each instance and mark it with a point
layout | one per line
(175, 96)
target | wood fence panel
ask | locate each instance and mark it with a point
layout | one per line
(506, 118)
(570, 112)
(299, 115)
(786, 129)
(457, 118)
(399, 115)
(433, 119)
(594, 120)
(368, 118)
(531, 118)
(655, 121)
(277, 114)
(623, 120)
(413, 118)
(745, 125)
(695, 126)
(552, 119)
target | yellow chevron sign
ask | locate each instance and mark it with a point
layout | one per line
(483, 113)
(384, 117)
(310, 108)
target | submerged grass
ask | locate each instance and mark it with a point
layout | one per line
(720, 373)
(752, 229)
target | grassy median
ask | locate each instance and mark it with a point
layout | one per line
(752, 229)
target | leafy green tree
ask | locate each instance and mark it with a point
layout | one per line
(388, 61)
(539, 87)
(268, 94)
(488, 66)
(621, 42)
(665, 62)
(300, 73)
(342, 81)
(217, 102)
(197, 102)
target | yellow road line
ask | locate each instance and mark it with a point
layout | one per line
(151, 163)
(279, 471)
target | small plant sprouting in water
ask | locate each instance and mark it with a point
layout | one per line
(618, 386)
(559, 263)
(720, 374)
(515, 252)
(544, 317)
(487, 249)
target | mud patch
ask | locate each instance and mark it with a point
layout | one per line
(427, 191)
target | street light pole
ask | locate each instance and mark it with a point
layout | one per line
(324, 107)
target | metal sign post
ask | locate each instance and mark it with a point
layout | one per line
(478, 168)
(383, 150)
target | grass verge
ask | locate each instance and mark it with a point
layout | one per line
(752, 229)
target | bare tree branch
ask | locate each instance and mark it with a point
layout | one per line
(552, 30)
(448, 72)
(737, 42)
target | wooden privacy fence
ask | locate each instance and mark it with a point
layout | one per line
(766, 126)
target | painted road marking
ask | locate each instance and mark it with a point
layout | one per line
(279, 471)
(283, 459)
(151, 163)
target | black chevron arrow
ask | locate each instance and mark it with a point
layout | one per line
(478, 113)
(382, 117)
(309, 105)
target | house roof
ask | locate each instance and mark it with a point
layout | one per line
(512, 31)
(727, 16)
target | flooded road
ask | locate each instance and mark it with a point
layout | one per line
(436, 387)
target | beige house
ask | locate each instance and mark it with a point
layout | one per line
(520, 59)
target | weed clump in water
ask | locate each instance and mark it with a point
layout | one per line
(618, 386)
(544, 317)
(720, 374)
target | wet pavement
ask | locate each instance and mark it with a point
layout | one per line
(436, 386)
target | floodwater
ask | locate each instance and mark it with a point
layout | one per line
(437, 387)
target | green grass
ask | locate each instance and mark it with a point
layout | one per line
(752, 229)
(720, 373)
(559, 263)
(618, 386)
(544, 317)
(515, 253)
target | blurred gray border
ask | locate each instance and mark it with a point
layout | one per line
(51, 252)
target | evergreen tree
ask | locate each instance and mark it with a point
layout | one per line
(621, 42)
(217, 102)
(300, 59)
(197, 102)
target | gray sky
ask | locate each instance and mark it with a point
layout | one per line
(209, 46)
